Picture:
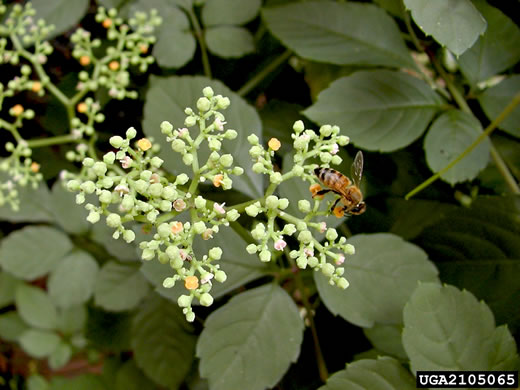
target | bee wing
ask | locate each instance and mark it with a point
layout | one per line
(357, 169)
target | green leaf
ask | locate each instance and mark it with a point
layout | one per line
(448, 137)
(33, 251)
(162, 340)
(239, 266)
(383, 373)
(130, 377)
(479, 249)
(394, 7)
(63, 14)
(119, 287)
(65, 211)
(387, 339)
(39, 343)
(60, 356)
(33, 204)
(37, 382)
(167, 98)
(72, 281)
(8, 286)
(109, 331)
(339, 33)
(175, 44)
(504, 355)
(455, 24)
(448, 329)
(80, 382)
(496, 98)
(379, 110)
(11, 326)
(72, 319)
(234, 12)
(382, 274)
(229, 41)
(35, 307)
(494, 52)
(240, 348)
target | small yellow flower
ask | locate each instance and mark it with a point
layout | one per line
(82, 107)
(84, 60)
(338, 212)
(35, 167)
(217, 180)
(144, 144)
(274, 144)
(176, 227)
(113, 65)
(191, 282)
(143, 48)
(107, 22)
(17, 110)
(36, 86)
(314, 188)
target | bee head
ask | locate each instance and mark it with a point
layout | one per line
(358, 209)
(317, 171)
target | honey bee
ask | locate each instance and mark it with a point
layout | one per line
(348, 190)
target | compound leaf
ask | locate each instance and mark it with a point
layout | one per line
(36, 307)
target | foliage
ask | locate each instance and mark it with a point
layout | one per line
(163, 224)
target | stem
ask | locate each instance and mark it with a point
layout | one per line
(260, 76)
(492, 126)
(199, 35)
(60, 139)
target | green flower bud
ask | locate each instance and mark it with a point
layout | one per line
(88, 187)
(156, 162)
(80, 198)
(342, 283)
(327, 269)
(289, 229)
(223, 102)
(331, 234)
(93, 217)
(152, 216)
(275, 178)
(227, 183)
(127, 203)
(220, 276)
(178, 145)
(252, 139)
(312, 261)
(230, 134)
(265, 256)
(200, 202)
(164, 230)
(300, 225)
(116, 141)
(105, 196)
(182, 179)
(256, 151)
(298, 127)
(73, 185)
(148, 254)
(349, 249)
(190, 121)
(238, 171)
(336, 160)
(176, 263)
(141, 186)
(131, 133)
(304, 206)
(166, 127)
(168, 282)
(171, 251)
(301, 262)
(283, 204)
(199, 227)
(99, 168)
(187, 159)
(326, 130)
(258, 168)
(226, 160)
(208, 92)
(252, 210)
(305, 236)
(128, 236)
(109, 158)
(88, 162)
(301, 142)
(340, 271)
(342, 140)
(298, 170)
(155, 189)
(215, 253)
(184, 301)
(325, 157)
(271, 202)
(113, 220)
(190, 316)
(203, 104)
(251, 249)
(165, 206)
(169, 193)
(232, 215)
(206, 299)
(214, 144)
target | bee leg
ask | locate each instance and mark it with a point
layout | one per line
(321, 192)
(334, 205)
